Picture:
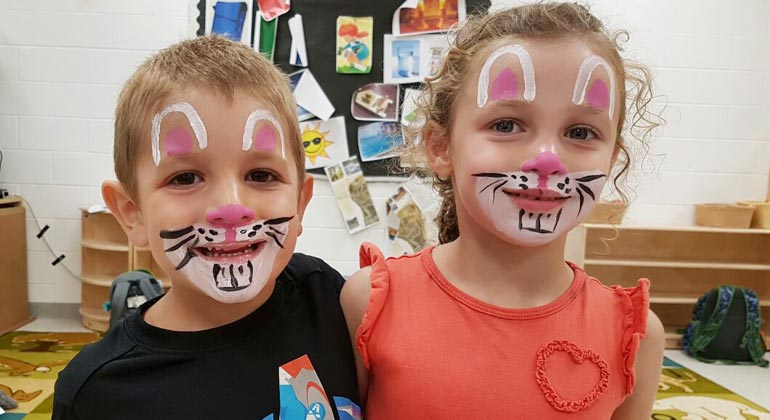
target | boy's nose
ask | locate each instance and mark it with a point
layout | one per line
(545, 164)
(230, 215)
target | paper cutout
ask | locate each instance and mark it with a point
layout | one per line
(375, 102)
(412, 59)
(298, 51)
(352, 194)
(310, 96)
(410, 214)
(265, 33)
(271, 9)
(379, 140)
(231, 19)
(354, 44)
(302, 113)
(427, 16)
(325, 143)
(409, 107)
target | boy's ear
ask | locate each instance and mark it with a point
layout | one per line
(436, 141)
(305, 194)
(126, 211)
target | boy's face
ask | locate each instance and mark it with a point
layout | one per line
(218, 195)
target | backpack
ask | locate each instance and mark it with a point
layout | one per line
(129, 291)
(725, 327)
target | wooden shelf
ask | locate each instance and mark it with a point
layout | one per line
(695, 229)
(678, 264)
(104, 246)
(687, 300)
(97, 280)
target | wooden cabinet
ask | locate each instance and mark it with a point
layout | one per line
(14, 297)
(681, 263)
(106, 254)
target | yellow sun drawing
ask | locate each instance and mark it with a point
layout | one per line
(315, 143)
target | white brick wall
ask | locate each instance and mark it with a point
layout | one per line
(62, 63)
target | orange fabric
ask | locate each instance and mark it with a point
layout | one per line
(435, 352)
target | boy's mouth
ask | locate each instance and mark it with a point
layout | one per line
(230, 253)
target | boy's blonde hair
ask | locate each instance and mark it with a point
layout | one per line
(210, 62)
(535, 21)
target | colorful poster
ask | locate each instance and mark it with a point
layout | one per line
(352, 194)
(427, 16)
(354, 44)
(412, 59)
(231, 19)
(325, 142)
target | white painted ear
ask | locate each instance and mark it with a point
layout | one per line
(436, 141)
(126, 211)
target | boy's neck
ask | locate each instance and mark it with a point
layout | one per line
(502, 274)
(182, 309)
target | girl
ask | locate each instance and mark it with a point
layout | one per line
(521, 129)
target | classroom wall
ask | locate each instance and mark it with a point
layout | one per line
(62, 63)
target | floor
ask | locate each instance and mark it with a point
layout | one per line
(751, 382)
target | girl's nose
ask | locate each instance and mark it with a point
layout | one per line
(230, 215)
(546, 163)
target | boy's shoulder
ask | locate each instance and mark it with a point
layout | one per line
(308, 271)
(113, 345)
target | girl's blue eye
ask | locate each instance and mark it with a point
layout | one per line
(261, 176)
(185, 179)
(581, 133)
(506, 126)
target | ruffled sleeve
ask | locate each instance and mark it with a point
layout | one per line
(636, 303)
(370, 255)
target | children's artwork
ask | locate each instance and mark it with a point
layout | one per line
(410, 214)
(309, 96)
(325, 142)
(265, 32)
(298, 50)
(427, 16)
(375, 102)
(412, 59)
(409, 107)
(231, 19)
(271, 9)
(354, 44)
(379, 140)
(352, 194)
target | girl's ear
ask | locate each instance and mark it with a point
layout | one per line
(126, 211)
(436, 140)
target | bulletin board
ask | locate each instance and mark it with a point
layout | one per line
(320, 24)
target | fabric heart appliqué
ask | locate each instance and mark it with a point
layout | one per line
(578, 356)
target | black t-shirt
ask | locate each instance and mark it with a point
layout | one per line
(291, 356)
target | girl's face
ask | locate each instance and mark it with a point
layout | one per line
(532, 139)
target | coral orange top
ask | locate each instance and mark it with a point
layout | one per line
(435, 352)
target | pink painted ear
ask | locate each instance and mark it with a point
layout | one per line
(504, 86)
(599, 95)
(265, 138)
(178, 142)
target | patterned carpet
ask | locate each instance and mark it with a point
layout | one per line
(31, 361)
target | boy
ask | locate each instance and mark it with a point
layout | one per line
(211, 178)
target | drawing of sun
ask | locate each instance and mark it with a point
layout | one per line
(315, 143)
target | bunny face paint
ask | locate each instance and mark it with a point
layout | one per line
(221, 202)
(527, 164)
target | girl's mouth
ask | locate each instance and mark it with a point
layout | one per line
(233, 252)
(536, 200)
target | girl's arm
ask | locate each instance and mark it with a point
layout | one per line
(649, 361)
(354, 298)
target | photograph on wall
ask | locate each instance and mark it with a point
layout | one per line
(409, 113)
(354, 44)
(271, 9)
(375, 102)
(410, 214)
(231, 19)
(379, 140)
(427, 16)
(412, 59)
(352, 194)
(325, 142)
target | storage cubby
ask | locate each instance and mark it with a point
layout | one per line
(681, 263)
(106, 254)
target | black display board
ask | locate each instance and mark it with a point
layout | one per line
(320, 23)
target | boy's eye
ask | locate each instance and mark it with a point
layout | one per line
(185, 178)
(582, 133)
(506, 126)
(261, 176)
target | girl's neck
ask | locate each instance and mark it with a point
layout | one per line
(505, 275)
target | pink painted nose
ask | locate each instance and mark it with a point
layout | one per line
(546, 163)
(230, 215)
